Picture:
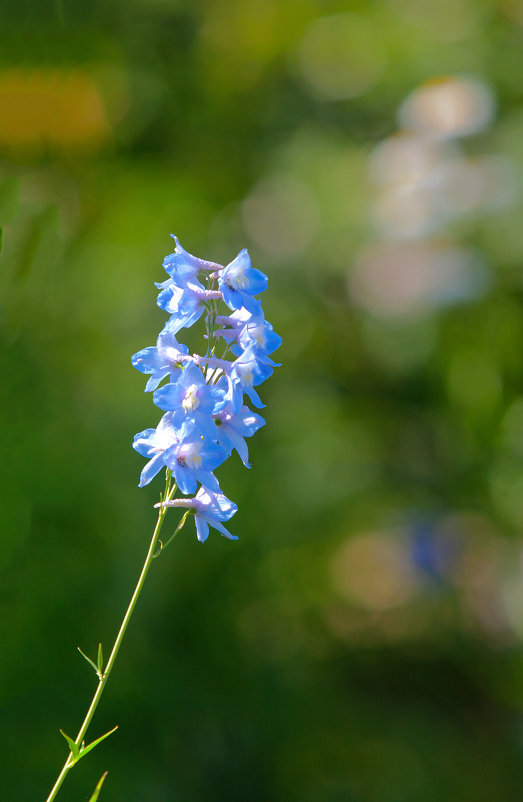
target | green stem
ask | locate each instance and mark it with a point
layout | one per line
(180, 526)
(69, 763)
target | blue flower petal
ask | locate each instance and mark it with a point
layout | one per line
(144, 442)
(151, 469)
(220, 527)
(202, 528)
(208, 480)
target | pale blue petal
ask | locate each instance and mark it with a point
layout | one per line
(144, 442)
(202, 528)
(257, 282)
(207, 480)
(147, 360)
(151, 469)
(184, 477)
(220, 527)
(167, 397)
(240, 445)
(255, 398)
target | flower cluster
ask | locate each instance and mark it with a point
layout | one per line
(205, 418)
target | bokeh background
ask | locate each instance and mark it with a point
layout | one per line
(362, 641)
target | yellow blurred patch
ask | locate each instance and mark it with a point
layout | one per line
(59, 109)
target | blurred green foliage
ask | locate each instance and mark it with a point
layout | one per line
(363, 639)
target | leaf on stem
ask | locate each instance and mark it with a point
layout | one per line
(78, 752)
(85, 749)
(100, 660)
(98, 671)
(98, 788)
(72, 746)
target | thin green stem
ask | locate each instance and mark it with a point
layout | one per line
(162, 546)
(69, 763)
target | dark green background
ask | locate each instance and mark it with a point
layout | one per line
(254, 670)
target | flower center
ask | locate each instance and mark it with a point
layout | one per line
(172, 354)
(258, 334)
(190, 400)
(237, 279)
(247, 377)
(191, 456)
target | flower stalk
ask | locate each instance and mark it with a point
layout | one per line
(170, 489)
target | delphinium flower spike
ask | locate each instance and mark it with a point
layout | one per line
(205, 415)
(206, 418)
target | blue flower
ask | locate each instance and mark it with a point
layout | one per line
(239, 282)
(246, 328)
(258, 332)
(162, 360)
(210, 509)
(184, 303)
(232, 429)
(247, 372)
(154, 443)
(192, 460)
(183, 264)
(205, 418)
(192, 400)
(184, 298)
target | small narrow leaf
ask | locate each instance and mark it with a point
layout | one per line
(100, 659)
(88, 659)
(98, 787)
(85, 749)
(72, 746)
